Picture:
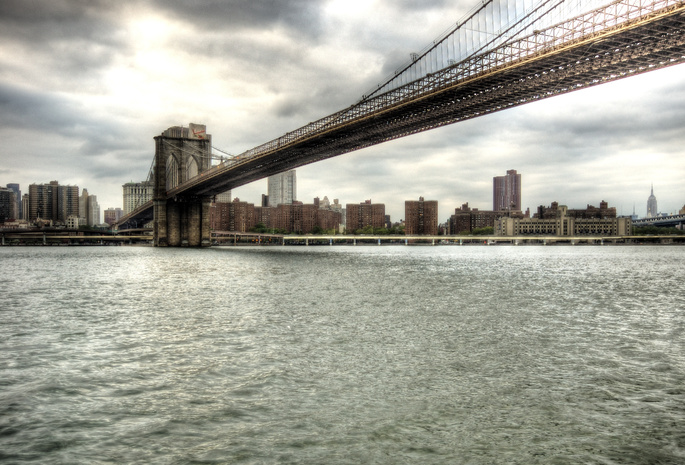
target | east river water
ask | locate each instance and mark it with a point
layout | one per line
(343, 355)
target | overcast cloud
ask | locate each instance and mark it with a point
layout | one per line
(85, 86)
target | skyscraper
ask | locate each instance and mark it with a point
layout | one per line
(67, 202)
(92, 211)
(282, 188)
(8, 204)
(52, 202)
(89, 208)
(506, 192)
(83, 206)
(15, 187)
(136, 194)
(651, 205)
(43, 201)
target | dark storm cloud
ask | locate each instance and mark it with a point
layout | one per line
(298, 15)
(20, 108)
(59, 44)
(50, 24)
(65, 12)
(50, 114)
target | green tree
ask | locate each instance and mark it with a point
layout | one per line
(656, 231)
(368, 229)
(486, 231)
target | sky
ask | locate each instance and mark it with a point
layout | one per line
(85, 85)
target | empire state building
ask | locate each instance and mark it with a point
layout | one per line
(651, 205)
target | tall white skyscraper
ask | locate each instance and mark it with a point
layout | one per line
(651, 205)
(282, 188)
(89, 208)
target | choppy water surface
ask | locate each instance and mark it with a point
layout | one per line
(465, 355)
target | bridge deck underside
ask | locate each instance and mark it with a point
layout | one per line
(603, 58)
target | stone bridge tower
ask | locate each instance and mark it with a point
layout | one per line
(180, 154)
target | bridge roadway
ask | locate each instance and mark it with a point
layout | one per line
(542, 65)
(671, 220)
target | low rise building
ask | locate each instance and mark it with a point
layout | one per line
(466, 219)
(72, 222)
(551, 212)
(563, 224)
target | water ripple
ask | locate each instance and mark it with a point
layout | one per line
(470, 355)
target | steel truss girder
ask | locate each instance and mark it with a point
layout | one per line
(628, 51)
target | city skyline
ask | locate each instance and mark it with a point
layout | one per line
(85, 111)
(291, 175)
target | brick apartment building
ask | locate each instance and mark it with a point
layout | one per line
(292, 218)
(365, 214)
(421, 217)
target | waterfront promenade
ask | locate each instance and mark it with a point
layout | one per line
(228, 238)
(222, 238)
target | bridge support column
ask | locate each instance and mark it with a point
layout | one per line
(159, 224)
(182, 222)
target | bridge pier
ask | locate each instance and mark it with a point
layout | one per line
(182, 222)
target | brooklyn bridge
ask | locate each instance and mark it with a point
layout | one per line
(505, 53)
